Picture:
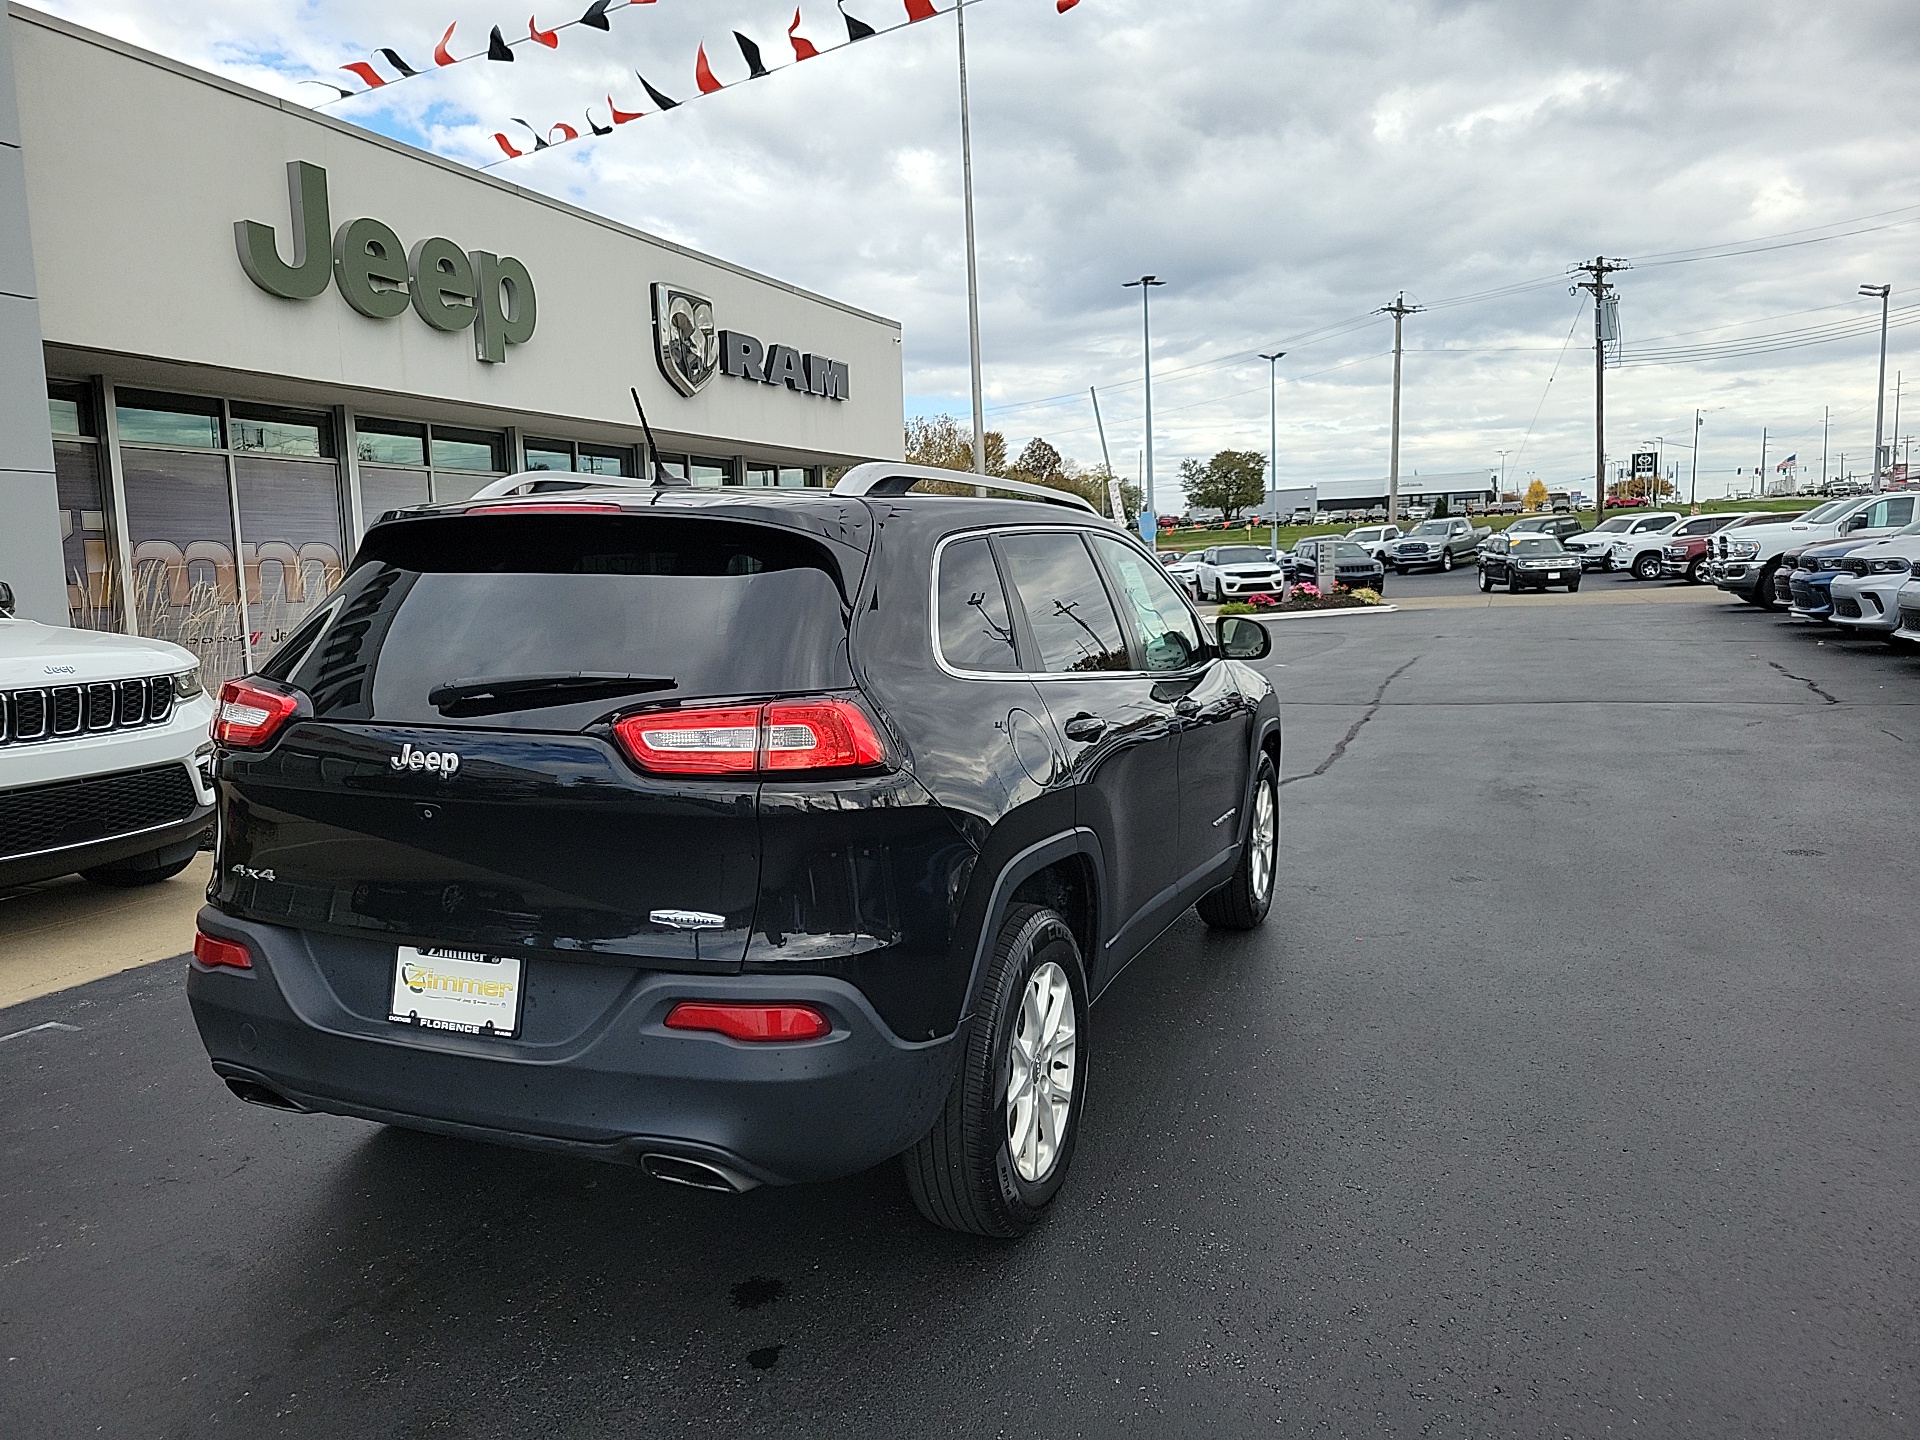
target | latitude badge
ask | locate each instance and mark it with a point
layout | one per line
(685, 338)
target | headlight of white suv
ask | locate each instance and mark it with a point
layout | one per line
(188, 685)
(1887, 567)
(1743, 549)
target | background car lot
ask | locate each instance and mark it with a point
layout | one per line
(1471, 1158)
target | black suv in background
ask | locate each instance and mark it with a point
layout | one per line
(754, 837)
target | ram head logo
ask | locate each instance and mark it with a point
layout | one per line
(685, 338)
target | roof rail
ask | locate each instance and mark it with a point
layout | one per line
(885, 478)
(540, 482)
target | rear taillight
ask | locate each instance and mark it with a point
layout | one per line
(250, 714)
(755, 1024)
(212, 950)
(784, 736)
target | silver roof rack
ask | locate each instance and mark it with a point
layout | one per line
(542, 482)
(884, 478)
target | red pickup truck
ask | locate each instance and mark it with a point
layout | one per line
(1683, 558)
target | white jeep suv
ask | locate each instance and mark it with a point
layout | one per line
(105, 755)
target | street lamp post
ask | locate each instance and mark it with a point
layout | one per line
(1883, 294)
(1149, 516)
(973, 261)
(1693, 492)
(1273, 437)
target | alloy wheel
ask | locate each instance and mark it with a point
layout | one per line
(1266, 828)
(1040, 1072)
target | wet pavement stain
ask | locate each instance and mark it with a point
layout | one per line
(760, 1290)
(766, 1357)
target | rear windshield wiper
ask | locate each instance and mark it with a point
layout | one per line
(502, 693)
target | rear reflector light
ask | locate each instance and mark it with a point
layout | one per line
(743, 740)
(583, 508)
(755, 1024)
(211, 950)
(250, 715)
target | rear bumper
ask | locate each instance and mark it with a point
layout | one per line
(595, 1071)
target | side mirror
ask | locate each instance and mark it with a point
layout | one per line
(1858, 522)
(6, 601)
(1244, 639)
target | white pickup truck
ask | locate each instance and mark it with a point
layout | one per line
(1745, 559)
(105, 755)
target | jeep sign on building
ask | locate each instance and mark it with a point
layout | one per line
(233, 332)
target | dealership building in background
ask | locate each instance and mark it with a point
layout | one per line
(233, 332)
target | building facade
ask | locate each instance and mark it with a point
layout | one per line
(233, 332)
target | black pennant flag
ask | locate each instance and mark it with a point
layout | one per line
(661, 100)
(596, 127)
(497, 47)
(596, 15)
(752, 53)
(539, 142)
(398, 64)
(856, 29)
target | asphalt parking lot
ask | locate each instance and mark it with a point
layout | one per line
(1570, 1090)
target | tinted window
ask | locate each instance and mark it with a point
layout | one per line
(1066, 603)
(712, 607)
(1897, 511)
(1240, 555)
(1347, 550)
(1612, 527)
(1168, 635)
(1703, 526)
(1538, 545)
(975, 632)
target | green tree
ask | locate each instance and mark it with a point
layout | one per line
(938, 440)
(1232, 481)
(1039, 462)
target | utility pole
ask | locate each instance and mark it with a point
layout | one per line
(1113, 481)
(1399, 310)
(1882, 293)
(973, 260)
(1693, 490)
(1894, 448)
(1149, 516)
(1763, 462)
(1273, 437)
(1826, 413)
(1597, 270)
(1502, 497)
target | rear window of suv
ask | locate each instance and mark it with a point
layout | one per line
(692, 606)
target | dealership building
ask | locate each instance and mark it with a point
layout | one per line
(233, 332)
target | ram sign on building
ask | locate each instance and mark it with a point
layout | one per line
(233, 332)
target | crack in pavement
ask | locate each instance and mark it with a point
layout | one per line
(1357, 726)
(1830, 699)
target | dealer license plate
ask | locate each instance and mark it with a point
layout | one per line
(457, 990)
(1553, 574)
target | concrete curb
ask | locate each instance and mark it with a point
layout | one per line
(1327, 614)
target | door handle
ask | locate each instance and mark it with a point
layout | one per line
(1085, 728)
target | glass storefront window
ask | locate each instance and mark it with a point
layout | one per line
(266, 431)
(452, 485)
(792, 477)
(93, 602)
(180, 522)
(390, 442)
(707, 472)
(467, 450)
(761, 475)
(290, 532)
(382, 490)
(605, 460)
(69, 408)
(147, 418)
(549, 455)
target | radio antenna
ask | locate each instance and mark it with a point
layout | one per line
(660, 476)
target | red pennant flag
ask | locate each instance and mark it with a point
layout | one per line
(621, 117)
(545, 37)
(567, 132)
(507, 145)
(1065, 5)
(367, 73)
(441, 55)
(803, 48)
(703, 74)
(920, 10)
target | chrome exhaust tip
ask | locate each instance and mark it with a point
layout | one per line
(700, 1174)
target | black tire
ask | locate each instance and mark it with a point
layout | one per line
(1446, 560)
(1400, 570)
(1513, 582)
(1647, 567)
(962, 1173)
(1606, 565)
(1486, 583)
(1243, 902)
(1693, 570)
(143, 869)
(1763, 595)
(1573, 585)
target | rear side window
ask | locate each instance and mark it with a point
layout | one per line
(976, 631)
(1066, 602)
(681, 607)
(1168, 635)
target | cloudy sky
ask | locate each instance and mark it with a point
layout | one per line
(1287, 168)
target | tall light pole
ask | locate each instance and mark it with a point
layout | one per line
(1826, 413)
(1502, 496)
(1693, 490)
(1399, 310)
(973, 260)
(1149, 516)
(1273, 434)
(1882, 293)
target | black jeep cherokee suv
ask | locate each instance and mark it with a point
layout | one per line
(755, 837)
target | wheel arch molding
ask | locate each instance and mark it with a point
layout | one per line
(1080, 845)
